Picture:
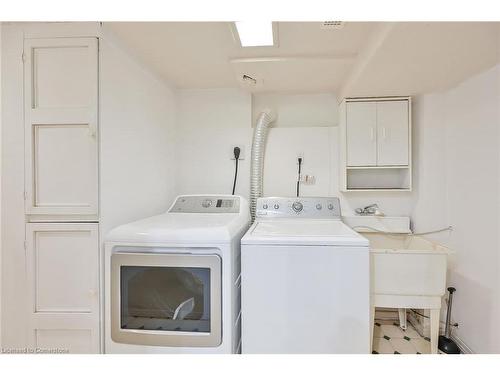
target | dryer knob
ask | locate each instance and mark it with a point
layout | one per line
(276, 206)
(206, 203)
(297, 206)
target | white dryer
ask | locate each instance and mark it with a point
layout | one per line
(305, 280)
(172, 281)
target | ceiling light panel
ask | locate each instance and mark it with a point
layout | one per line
(255, 34)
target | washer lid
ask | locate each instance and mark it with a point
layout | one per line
(303, 232)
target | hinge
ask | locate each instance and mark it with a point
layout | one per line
(23, 57)
(25, 194)
(25, 245)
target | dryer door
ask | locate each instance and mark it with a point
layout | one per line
(166, 299)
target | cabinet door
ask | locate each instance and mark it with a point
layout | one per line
(61, 149)
(361, 126)
(62, 270)
(392, 133)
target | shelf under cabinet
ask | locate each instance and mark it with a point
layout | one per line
(379, 167)
(375, 190)
(390, 178)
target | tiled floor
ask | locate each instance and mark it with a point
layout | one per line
(389, 338)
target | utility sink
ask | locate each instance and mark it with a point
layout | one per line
(407, 265)
(408, 272)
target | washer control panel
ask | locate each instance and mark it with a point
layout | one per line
(206, 204)
(307, 207)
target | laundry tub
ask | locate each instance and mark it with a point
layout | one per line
(408, 272)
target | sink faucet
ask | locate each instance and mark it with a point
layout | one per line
(371, 210)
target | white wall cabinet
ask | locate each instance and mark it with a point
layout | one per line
(375, 152)
(61, 146)
(62, 276)
(377, 133)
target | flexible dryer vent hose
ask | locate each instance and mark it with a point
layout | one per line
(257, 163)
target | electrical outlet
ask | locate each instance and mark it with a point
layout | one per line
(242, 152)
(308, 179)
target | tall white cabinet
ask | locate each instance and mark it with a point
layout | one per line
(63, 286)
(61, 146)
(61, 193)
(375, 151)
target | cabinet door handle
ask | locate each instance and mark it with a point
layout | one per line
(383, 133)
(372, 134)
(92, 130)
(93, 127)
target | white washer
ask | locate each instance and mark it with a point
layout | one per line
(172, 281)
(305, 280)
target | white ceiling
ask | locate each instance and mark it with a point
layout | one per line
(417, 58)
(359, 59)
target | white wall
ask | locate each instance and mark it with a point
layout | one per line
(12, 159)
(212, 121)
(429, 164)
(0, 184)
(137, 130)
(298, 110)
(458, 185)
(281, 167)
(472, 123)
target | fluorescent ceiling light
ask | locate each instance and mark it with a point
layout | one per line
(254, 34)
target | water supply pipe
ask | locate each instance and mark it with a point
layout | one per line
(264, 120)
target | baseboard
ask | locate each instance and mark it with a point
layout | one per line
(464, 348)
(424, 331)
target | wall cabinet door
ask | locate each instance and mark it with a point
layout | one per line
(361, 144)
(61, 149)
(392, 133)
(62, 270)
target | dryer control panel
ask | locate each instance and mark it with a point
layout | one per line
(305, 207)
(222, 204)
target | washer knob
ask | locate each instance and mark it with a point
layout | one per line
(276, 206)
(265, 206)
(297, 206)
(206, 203)
(319, 206)
(330, 206)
